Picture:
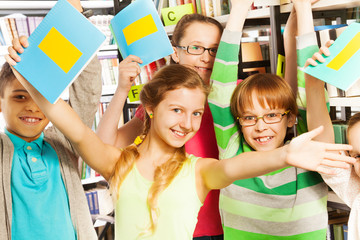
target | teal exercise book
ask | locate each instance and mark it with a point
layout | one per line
(341, 68)
(138, 30)
(59, 49)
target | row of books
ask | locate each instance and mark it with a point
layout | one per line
(99, 200)
(110, 72)
(211, 8)
(16, 25)
(102, 22)
(87, 172)
(93, 201)
(338, 232)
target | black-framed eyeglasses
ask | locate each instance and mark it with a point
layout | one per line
(198, 50)
(267, 118)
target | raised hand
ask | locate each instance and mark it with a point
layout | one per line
(318, 55)
(129, 69)
(18, 47)
(311, 155)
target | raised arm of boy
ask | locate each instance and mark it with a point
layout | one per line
(224, 79)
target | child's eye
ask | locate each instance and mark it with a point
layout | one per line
(272, 115)
(249, 118)
(177, 110)
(19, 97)
(197, 114)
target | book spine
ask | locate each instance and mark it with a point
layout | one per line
(198, 6)
(172, 3)
(224, 6)
(209, 8)
(12, 24)
(5, 32)
(203, 8)
(96, 202)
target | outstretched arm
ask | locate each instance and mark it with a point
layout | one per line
(108, 130)
(302, 152)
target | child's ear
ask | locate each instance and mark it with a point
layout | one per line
(291, 120)
(175, 56)
(149, 111)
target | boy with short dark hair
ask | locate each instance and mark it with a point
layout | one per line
(41, 195)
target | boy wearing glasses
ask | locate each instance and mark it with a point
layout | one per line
(286, 204)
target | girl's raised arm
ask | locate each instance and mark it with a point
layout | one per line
(108, 129)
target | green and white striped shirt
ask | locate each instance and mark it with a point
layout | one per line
(286, 204)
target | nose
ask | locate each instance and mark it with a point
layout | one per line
(32, 106)
(206, 57)
(186, 122)
(260, 125)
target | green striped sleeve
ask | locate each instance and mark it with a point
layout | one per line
(224, 80)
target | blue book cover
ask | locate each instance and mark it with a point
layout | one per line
(138, 30)
(340, 68)
(59, 48)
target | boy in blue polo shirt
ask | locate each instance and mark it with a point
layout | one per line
(41, 196)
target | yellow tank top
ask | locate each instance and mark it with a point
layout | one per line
(178, 204)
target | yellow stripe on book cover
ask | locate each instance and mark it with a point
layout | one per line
(348, 51)
(59, 49)
(139, 29)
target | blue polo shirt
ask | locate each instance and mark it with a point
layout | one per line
(40, 205)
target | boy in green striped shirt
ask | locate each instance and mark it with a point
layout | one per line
(286, 204)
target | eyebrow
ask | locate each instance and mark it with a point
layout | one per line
(201, 44)
(20, 90)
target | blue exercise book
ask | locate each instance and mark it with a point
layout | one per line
(138, 30)
(340, 69)
(59, 49)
